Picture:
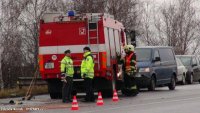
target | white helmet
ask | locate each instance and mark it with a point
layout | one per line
(129, 48)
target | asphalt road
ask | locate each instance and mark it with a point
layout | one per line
(185, 99)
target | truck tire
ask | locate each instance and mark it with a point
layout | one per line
(190, 80)
(53, 95)
(152, 84)
(55, 88)
(107, 93)
(104, 86)
(74, 92)
(172, 84)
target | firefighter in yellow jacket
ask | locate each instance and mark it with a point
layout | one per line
(87, 72)
(67, 72)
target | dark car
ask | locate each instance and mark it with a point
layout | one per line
(191, 62)
(157, 67)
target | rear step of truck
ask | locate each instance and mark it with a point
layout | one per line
(78, 80)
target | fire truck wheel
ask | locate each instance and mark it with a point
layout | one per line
(74, 92)
(55, 88)
(59, 95)
(107, 93)
(53, 95)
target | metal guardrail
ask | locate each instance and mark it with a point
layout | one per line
(25, 81)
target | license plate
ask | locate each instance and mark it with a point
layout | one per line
(49, 65)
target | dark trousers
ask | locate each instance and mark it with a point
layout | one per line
(88, 83)
(67, 89)
(129, 81)
(130, 88)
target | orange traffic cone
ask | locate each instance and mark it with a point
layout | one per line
(99, 100)
(74, 104)
(115, 96)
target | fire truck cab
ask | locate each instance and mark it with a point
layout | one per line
(101, 32)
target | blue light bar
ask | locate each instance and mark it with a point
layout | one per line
(71, 13)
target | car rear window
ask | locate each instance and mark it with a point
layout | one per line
(186, 60)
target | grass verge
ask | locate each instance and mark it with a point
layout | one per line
(16, 92)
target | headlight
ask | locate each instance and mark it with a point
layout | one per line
(138, 75)
(144, 69)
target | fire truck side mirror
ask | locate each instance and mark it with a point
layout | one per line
(123, 37)
(133, 37)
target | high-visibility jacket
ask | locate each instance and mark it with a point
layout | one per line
(87, 66)
(66, 66)
(130, 63)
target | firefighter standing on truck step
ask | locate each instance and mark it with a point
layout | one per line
(67, 72)
(87, 72)
(130, 70)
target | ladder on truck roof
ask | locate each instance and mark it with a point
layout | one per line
(93, 27)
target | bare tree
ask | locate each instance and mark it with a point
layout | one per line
(146, 32)
(11, 41)
(180, 25)
(175, 24)
(196, 45)
(20, 33)
(125, 11)
(1, 75)
(90, 6)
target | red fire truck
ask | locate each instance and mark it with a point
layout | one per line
(101, 32)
